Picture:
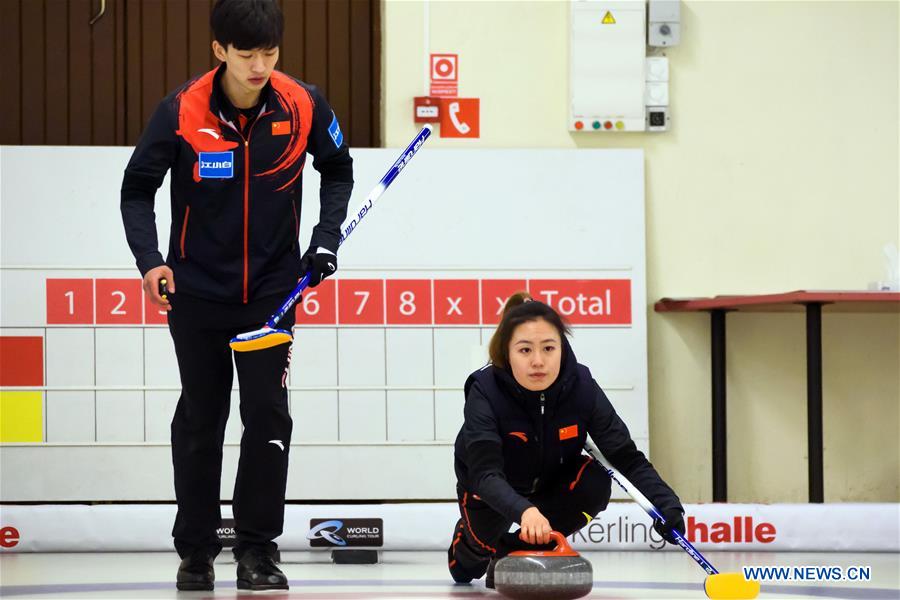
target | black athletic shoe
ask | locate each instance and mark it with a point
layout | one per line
(456, 570)
(257, 571)
(196, 573)
(489, 577)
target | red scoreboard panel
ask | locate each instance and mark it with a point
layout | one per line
(408, 301)
(494, 294)
(319, 305)
(119, 302)
(391, 302)
(361, 302)
(586, 301)
(456, 302)
(70, 301)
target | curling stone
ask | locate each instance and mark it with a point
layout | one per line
(558, 574)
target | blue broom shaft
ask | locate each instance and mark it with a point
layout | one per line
(648, 507)
(346, 230)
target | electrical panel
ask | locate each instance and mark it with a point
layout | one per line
(607, 53)
(664, 28)
(614, 86)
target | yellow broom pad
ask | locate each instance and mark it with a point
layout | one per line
(261, 343)
(730, 586)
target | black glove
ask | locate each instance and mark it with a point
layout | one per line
(674, 520)
(318, 265)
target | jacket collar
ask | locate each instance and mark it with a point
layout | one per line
(221, 106)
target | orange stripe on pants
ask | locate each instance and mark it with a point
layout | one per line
(469, 526)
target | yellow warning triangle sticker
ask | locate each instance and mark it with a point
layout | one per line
(609, 19)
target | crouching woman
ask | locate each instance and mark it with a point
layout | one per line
(518, 455)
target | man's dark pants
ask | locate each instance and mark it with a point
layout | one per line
(201, 330)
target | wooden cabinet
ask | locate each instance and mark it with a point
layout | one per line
(91, 72)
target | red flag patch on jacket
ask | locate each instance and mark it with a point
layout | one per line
(567, 433)
(281, 127)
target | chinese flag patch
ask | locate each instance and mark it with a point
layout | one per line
(567, 433)
(281, 128)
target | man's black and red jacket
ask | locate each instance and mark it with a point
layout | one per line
(235, 191)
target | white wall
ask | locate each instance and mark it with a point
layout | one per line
(363, 395)
(780, 172)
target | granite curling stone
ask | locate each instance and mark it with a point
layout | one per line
(558, 574)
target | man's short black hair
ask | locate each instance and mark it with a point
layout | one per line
(247, 24)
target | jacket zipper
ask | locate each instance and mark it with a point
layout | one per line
(247, 199)
(187, 212)
(247, 212)
(540, 442)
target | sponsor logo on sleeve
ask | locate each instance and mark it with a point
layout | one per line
(334, 130)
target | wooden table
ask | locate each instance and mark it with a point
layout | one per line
(810, 301)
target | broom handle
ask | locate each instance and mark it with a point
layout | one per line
(361, 212)
(647, 505)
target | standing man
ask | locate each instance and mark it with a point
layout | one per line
(235, 140)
